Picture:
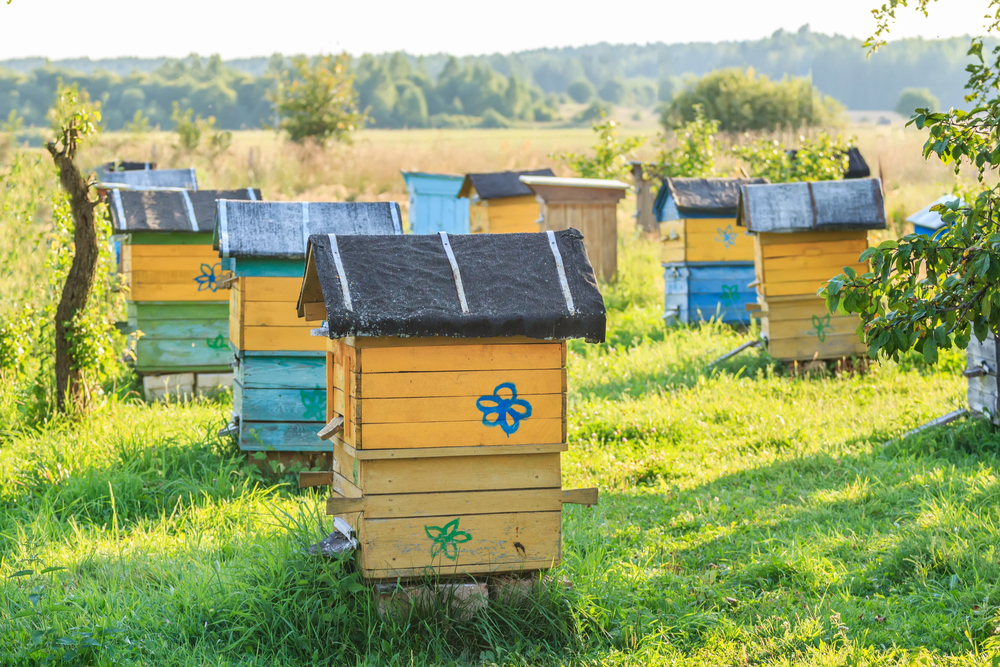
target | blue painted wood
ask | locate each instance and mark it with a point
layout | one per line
(434, 203)
(295, 437)
(928, 231)
(280, 405)
(267, 267)
(282, 372)
(194, 329)
(706, 291)
(665, 208)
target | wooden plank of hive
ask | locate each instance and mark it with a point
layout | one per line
(271, 288)
(176, 355)
(815, 249)
(280, 339)
(411, 505)
(817, 274)
(457, 383)
(145, 291)
(283, 371)
(480, 543)
(462, 358)
(809, 347)
(448, 434)
(424, 410)
(284, 405)
(808, 261)
(281, 437)
(360, 343)
(202, 251)
(276, 314)
(779, 238)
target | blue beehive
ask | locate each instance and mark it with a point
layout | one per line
(434, 203)
(704, 291)
(928, 222)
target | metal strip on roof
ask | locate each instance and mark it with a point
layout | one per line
(190, 209)
(251, 194)
(561, 269)
(335, 251)
(454, 270)
(394, 210)
(194, 179)
(305, 226)
(223, 229)
(117, 196)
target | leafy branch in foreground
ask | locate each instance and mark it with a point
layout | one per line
(923, 293)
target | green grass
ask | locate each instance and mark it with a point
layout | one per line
(746, 517)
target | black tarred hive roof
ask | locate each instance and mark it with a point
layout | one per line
(413, 285)
(169, 210)
(500, 184)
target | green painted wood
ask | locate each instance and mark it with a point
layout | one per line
(194, 329)
(268, 267)
(282, 372)
(159, 355)
(141, 311)
(169, 238)
(279, 405)
(259, 437)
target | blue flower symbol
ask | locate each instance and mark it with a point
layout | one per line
(209, 277)
(506, 413)
(727, 237)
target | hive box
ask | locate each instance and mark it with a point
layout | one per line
(435, 205)
(499, 203)
(983, 362)
(805, 234)
(279, 393)
(701, 292)
(175, 280)
(446, 383)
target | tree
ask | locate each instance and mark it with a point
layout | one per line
(318, 101)
(581, 91)
(822, 158)
(744, 100)
(916, 98)
(611, 155)
(922, 293)
(689, 151)
(75, 118)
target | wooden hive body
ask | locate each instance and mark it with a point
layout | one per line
(279, 388)
(792, 263)
(435, 205)
(701, 292)
(447, 447)
(500, 204)
(982, 364)
(175, 280)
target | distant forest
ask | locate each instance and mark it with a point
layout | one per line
(401, 90)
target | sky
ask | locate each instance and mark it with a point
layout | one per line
(175, 28)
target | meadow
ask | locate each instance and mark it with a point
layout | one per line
(748, 514)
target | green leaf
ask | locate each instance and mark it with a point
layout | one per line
(930, 350)
(21, 573)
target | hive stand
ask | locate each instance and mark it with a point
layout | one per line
(587, 204)
(805, 234)
(175, 283)
(499, 203)
(707, 261)
(434, 203)
(447, 447)
(279, 393)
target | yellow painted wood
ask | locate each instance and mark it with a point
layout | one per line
(390, 341)
(449, 383)
(836, 325)
(803, 288)
(810, 261)
(814, 249)
(422, 410)
(479, 219)
(453, 434)
(276, 314)
(464, 504)
(182, 268)
(700, 240)
(806, 348)
(774, 238)
(278, 339)
(203, 251)
(462, 358)
(438, 452)
(235, 318)
(819, 273)
(270, 288)
(497, 543)
(597, 221)
(174, 292)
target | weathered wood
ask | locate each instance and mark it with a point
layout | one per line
(586, 497)
(335, 426)
(309, 479)
(296, 404)
(465, 504)
(439, 452)
(449, 383)
(280, 437)
(337, 506)
(462, 358)
(448, 434)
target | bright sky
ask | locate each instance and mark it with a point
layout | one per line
(70, 28)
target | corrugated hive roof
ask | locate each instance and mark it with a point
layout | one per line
(282, 229)
(500, 184)
(818, 205)
(463, 286)
(169, 210)
(143, 179)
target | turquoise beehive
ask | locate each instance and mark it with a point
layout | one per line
(434, 203)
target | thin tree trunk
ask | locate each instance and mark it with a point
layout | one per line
(79, 280)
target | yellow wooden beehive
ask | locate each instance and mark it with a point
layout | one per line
(805, 234)
(499, 203)
(446, 380)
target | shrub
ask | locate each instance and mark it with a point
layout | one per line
(911, 99)
(581, 91)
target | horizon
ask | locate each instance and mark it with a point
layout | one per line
(454, 29)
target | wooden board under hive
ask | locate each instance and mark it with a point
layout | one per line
(801, 328)
(170, 271)
(451, 449)
(181, 336)
(281, 400)
(694, 292)
(705, 240)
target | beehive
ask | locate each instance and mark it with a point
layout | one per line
(927, 222)
(148, 179)
(587, 204)
(982, 370)
(435, 205)
(499, 203)
(446, 382)
(707, 260)
(279, 392)
(805, 234)
(174, 278)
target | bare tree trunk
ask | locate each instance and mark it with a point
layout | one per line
(79, 280)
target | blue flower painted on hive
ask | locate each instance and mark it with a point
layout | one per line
(209, 278)
(446, 539)
(727, 237)
(503, 411)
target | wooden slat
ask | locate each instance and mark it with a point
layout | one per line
(499, 542)
(420, 410)
(392, 341)
(807, 261)
(174, 292)
(805, 288)
(458, 473)
(281, 289)
(821, 272)
(443, 452)
(277, 314)
(814, 249)
(309, 479)
(586, 497)
(463, 358)
(454, 434)
(837, 325)
(280, 339)
(774, 238)
(235, 317)
(481, 383)
(338, 505)
(202, 252)
(457, 503)
(805, 348)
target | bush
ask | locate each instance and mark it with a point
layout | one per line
(581, 91)
(594, 112)
(743, 100)
(911, 99)
(613, 91)
(493, 120)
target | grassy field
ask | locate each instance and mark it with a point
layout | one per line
(747, 515)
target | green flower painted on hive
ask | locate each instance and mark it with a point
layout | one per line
(730, 295)
(314, 403)
(217, 343)
(821, 327)
(446, 540)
